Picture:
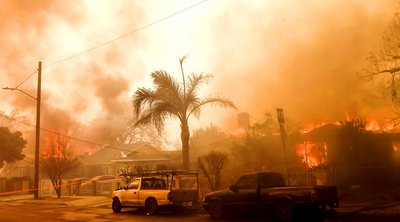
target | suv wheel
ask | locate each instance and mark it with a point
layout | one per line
(284, 210)
(116, 205)
(216, 209)
(151, 206)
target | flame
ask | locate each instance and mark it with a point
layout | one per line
(56, 146)
(374, 125)
(312, 154)
(312, 126)
(348, 116)
(315, 154)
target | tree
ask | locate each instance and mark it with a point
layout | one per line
(211, 165)
(262, 148)
(259, 149)
(173, 99)
(11, 145)
(141, 134)
(385, 62)
(202, 138)
(58, 158)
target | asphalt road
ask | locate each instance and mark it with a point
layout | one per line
(56, 210)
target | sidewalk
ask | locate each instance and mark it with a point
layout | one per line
(376, 209)
(78, 201)
(89, 201)
(16, 197)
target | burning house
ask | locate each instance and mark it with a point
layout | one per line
(351, 153)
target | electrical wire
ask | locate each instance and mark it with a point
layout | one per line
(91, 49)
(111, 41)
(22, 82)
(125, 35)
(16, 155)
(71, 137)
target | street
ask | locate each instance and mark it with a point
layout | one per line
(49, 210)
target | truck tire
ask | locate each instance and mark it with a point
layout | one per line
(284, 210)
(216, 209)
(151, 206)
(116, 205)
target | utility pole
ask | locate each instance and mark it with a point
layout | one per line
(281, 121)
(38, 98)
(37, 142)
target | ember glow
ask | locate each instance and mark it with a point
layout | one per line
(312, 154)
(378, 127)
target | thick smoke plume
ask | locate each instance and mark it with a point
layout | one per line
(302, 56)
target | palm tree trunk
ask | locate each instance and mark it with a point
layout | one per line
(185, 144)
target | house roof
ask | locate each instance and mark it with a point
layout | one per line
(128, 152)
(144, 152)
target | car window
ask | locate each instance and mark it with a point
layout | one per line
(153, 183)
(146, 183)
(134, 184)
(246, 182)
(159, 184)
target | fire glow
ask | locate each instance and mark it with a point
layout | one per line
(312, 154)
(376, 127)
(315, 153)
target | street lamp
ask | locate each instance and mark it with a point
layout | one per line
(37, 98)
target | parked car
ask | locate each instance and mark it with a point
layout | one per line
(150, 191)
(266, 192)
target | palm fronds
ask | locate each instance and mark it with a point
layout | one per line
(196, 107)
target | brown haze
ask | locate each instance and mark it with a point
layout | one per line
(302, 56)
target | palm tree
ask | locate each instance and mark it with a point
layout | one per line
(172, 99)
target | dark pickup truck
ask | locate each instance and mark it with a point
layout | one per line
(266, 191)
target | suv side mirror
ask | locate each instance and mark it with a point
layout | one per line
(233, 188)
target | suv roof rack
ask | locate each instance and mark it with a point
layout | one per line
(173, 172)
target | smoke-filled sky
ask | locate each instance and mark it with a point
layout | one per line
(302, 56)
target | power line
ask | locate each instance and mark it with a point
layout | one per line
(33, 73)
(71, 137)
(85, 141)
(125, 35)
(110, 41)
(22, 82)
(93, 48)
